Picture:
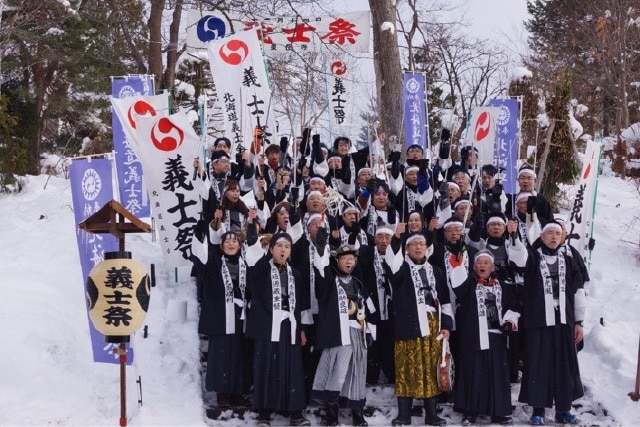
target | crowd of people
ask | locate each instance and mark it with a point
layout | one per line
(347, 269)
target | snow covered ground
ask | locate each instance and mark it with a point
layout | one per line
(47, 374)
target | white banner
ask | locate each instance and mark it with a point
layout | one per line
(482, 133)
(347, 32)
(340, 96)
(582, 211)
(132, 109)
(239, 73)
(167, 156)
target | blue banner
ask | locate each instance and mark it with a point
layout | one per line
(91, 189)
(508, 146)
(414, 100)
(131, 188)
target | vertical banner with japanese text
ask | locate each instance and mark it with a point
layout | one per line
(340, 93)
(508, 148)
(167, 157)
(91, 189)
(132, 191)
(416, 126)
(239, 73)
(583, 209)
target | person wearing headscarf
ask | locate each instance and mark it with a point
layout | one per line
(554, 305)
(275, 301)
(484, 316)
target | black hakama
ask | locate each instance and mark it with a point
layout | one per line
(229, 362)
(278, 374)
(482, 380)
(551, 372)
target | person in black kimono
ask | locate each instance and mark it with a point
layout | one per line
(552, 318)
(223, 272)
(342, 336)
(422, 317)
(273, 322)
(483, 318)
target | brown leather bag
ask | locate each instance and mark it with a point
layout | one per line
(445, 368)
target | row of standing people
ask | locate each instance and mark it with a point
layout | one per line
(368, 299)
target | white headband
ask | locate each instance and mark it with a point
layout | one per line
(313, 217)
(485, 254)
(384, 230)
(450, 223)
(523, 195)
(411, 169)
(496, 219)
(414, 237)
(526, 171)
(552, 225)
(451, 183)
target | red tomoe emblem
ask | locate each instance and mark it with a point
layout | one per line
(139, 108)
(338, 68)
(483, 126)
(166, 136)
(234, 52)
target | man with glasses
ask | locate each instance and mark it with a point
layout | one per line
(536, 203)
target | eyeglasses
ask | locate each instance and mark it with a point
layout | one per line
(417, 244)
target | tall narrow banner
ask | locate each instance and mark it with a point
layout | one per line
(482, 133)
(132, 191)
(583, 209)
(239, 73)
(91, 189)
(340, 95)
(344, 32)
(508, 148)
(416, 126)
(170, 145)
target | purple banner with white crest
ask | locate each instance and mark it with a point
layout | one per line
(91, 189)
(414, 100)
(507, 123)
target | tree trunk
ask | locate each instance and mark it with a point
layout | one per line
(172, 49)
(545, 154)
(387, 68)
(155, 41)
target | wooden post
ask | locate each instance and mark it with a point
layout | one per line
(635, 395)
(122, 353)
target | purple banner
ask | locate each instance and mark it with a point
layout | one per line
(91, 189)
(133, 192)
(414, 99)
(508, 143)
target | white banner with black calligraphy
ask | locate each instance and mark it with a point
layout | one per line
(239, 73)
(345, 32)
(340, 95)
(582, 211)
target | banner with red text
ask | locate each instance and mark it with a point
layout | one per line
(347, 32)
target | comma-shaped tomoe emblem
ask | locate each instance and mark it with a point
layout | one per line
(209, 28)
(234, 52)
(338, 68)
(166, 136)
(483, 126)
(139, 109)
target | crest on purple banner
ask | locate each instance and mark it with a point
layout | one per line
(507, 123)
(91, 189)
(414, 99)
(131, 188)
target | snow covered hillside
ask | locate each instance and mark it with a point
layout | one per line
(47, 376)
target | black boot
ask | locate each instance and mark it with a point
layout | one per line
(431, 417)
(404, 412)
(357, 418)
(331, 413)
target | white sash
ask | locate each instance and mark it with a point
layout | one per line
(547, 283)
(312, 280)
(483, 326)
(448, 267)
(229, 300)
(422, 306)
(411, 199)
(343, 311)
(383, 296)
(278, 313)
